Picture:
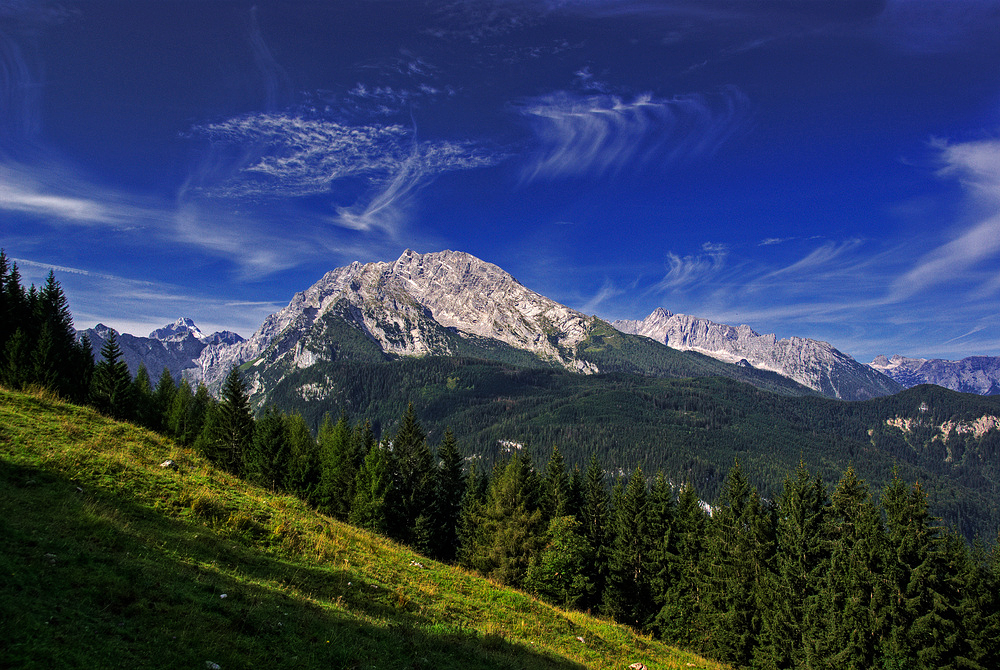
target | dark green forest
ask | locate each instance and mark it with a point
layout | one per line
(797, 563)
(692, 429)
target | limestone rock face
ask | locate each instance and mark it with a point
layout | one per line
(406, 307)
(975, 374)
(812, 363)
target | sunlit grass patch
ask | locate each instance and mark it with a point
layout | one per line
(110, 560)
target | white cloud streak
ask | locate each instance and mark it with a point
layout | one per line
(977, 166)
(601, 134)
(687, 271)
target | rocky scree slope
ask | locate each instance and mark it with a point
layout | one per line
(812, 363)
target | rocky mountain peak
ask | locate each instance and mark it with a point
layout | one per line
(402, 307)
(179, 329)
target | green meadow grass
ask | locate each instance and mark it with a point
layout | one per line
(108, 560)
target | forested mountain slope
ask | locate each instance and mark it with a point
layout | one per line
(690, 428)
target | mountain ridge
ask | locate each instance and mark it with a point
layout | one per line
(812, 363)
(973, 374)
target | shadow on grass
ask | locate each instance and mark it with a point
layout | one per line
(89, 580)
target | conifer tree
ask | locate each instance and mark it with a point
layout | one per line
(920, 615)
(792, 631)
(84, 375)
(177, 415)
(163, 398)
(413, 483)
(14, 303)
(266, 461)
(679, 619)
(574, 496)
(735, 572)
(142, 397)
(470, 530)
(627, 595)
(229, 425)
(6, 318)
(555, 487)
(512, 529)
(55, 367)
(852, 589)
(111, 389)
(975, 602)
(596, 519)
(338, 467)
(372, 492)
(559, 574)
(17, 372)
(302, 476)
(448, 498)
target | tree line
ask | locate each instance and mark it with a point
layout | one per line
(815, 578)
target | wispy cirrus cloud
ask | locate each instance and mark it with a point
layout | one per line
(52, 192)
(977, 166)
(685, 271)
(580, 135)
(289, 156)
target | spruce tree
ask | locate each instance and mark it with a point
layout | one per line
(338, 467)
(84, 375)
(921, 617)
(163, 398)
(596, 519)
(177, 415)
(142, 397)
(559, 574)
(56, 366)
(660, 513)
(735, 572)
(413, 484)
(627, 594)
(266, 461)
(679, 619)
(852, 589)
(17, 371)
(470, 529)
(792, 630)
(303, 473)
(6, 318)
(229, 425)
(372, 492)
(111, 390)
(555, 487)
(450, 491)
(512, 528)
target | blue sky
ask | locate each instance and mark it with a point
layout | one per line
(821, 169)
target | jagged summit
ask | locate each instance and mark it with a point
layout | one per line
(408, 307)
(179, 329)
(812, 363)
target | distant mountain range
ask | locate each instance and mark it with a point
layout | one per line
(812, 363)
(976, 374)
(174, 347)
(450, 303)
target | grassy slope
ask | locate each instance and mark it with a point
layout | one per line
(109, 560)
